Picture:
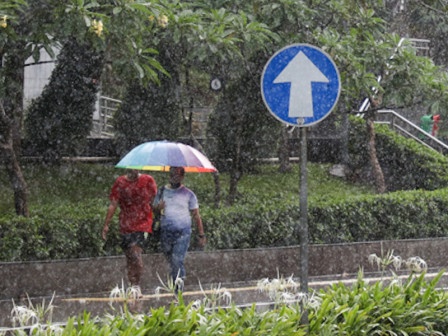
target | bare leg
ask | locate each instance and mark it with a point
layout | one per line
(134, 264)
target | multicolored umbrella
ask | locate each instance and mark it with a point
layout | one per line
(161, 155)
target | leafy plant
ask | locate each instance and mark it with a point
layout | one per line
(414, 306)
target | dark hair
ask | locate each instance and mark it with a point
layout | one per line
(181, 170)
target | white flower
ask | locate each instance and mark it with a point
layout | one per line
(287, 297)
(23, 316)
(134, 293)
(179, 282)
(56, 330)
(302, 297)
(314, 302)
(263, 284)
(116, 293)
(396, 260)
(416, 264)
(196, 304)
(374, 259)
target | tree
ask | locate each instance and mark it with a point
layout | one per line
(427, 20)
(375, 64)
(114, 28)
(288, 22)
(198, 39)
(59, 121)
(146, 114)
(358, 37)
(243, 129)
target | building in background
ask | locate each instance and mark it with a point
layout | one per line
(37, 75)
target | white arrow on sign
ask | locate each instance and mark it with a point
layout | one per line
(300, 72)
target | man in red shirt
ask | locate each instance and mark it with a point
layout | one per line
(134, 194)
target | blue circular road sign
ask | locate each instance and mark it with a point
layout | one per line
(300, 85)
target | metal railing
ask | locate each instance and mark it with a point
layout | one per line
(408, 129)
(102, 119)
(399, 123)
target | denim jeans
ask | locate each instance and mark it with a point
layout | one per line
(174, 246)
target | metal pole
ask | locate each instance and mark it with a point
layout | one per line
(303, 211)
(303, 217)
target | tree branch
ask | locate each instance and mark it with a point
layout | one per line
(438, 11)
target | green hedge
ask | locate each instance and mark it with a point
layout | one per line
(399, 215)
(406, 164)
(77, 234)
(74, 231)
(57, 232)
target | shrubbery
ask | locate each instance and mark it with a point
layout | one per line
(60, 119)
(61, 231)
(406, 164)
(76, 233)
(400, 215)
(58, 232)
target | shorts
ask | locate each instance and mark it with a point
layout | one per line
(134, 238)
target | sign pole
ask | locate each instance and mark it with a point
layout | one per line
(300, 86)
(303, 217)
(303, 211)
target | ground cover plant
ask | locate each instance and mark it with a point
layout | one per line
(409, 305)
(77, 183)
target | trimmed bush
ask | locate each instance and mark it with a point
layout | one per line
(406, 164)
(48, 235)
(400, 215)
(257, 220)
(60, 119)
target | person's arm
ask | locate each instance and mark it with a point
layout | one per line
(152, 186)
(110, 213)
(199, 226)
(159, 204)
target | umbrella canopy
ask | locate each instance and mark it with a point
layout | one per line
(161, 155)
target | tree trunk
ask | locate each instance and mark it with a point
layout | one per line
(216, 179)
(283, 151)
(11, 117)
(345, 158)
(13, 101)
(12, 165)
(236, 171)
(376, 167)
(235, 176)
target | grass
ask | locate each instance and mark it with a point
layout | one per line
(82, 182)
